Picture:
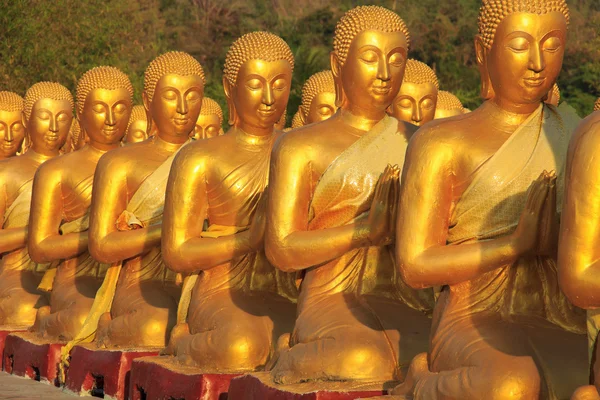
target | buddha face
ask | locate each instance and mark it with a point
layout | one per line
(372, 73)
(415, 103)
(48, 125)
(137, 131)
(525, 57)
(176, 105)
(322, 107)
(207, 126)
(261, 93)
(12, 132)
(105, 115)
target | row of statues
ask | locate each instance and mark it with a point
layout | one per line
(391, 235)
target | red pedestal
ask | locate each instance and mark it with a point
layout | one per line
(3, 335)
(101, 371)
(259, 386)
(160, 378)
(27, 355)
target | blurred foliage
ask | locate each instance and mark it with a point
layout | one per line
(61, 39)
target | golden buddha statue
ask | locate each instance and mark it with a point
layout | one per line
(137, 130)
(137, 302)
(553, 96)
(280, 125)
(330, 213)
(61, 197)
(484, 192)
(210, 120)
(448, 105)
(318, 99)
(47, 112)
(240, 304)
(417, 99)
(12, 132)
(296, 120)
(597, 105)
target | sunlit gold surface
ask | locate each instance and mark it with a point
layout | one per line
(318, 100)
(448, 105)
(479, 222)
(240, 304)
(61, 198)
(48, 125)
(330, 221)
(416, 101)
(597, 105)
(137, 130)
(12, 131)
(210, 120)
(126, 211)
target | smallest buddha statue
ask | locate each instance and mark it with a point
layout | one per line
(210, 120)
(318, 100)
(448, 105)
(137, 130)
(553, 96)
(12, 132)
(416, 102)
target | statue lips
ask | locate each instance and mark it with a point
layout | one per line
(381, 89)
(181, 121)
(265, 113)
(534, 81)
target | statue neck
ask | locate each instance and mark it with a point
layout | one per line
(506, 117)
(252, 139)
(37, 157)
(169, 146)
(359, 121)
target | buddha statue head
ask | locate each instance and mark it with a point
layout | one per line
(297, 120)
(137, 129)
(257, 78)
(173, 92)
(48, 117)
(210, 120)
(553, 96)
(448, 105)
(318, 98)
(370, 47)
(104, 102)
(417, 99)
(12, 131)
(519, 49)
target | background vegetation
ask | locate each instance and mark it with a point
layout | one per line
(61, 39)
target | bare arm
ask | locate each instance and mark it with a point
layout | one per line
(289, 244)
(186, 207)
(109, 200)
(45, 242)
(426, 197)
(578, 254)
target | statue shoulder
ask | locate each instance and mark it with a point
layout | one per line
(586, 134)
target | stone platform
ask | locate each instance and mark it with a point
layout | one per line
(260, 386)
(161, 378)
(25, 354)
(106, 372)
(4, 332)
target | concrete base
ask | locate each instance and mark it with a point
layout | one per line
(25, 354)
(162, 378)
(94, 371)
(260, 386)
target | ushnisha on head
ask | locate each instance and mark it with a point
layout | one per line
(417, 99)
(48, 117)
(257, 79)
(520, 48)
(104, 102)
(12, 131)
(318, 98)
(448, 105)
(173, 92)
(369, 55)
(210, 120)
(137, 129)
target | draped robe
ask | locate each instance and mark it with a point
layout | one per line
(356, 319)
